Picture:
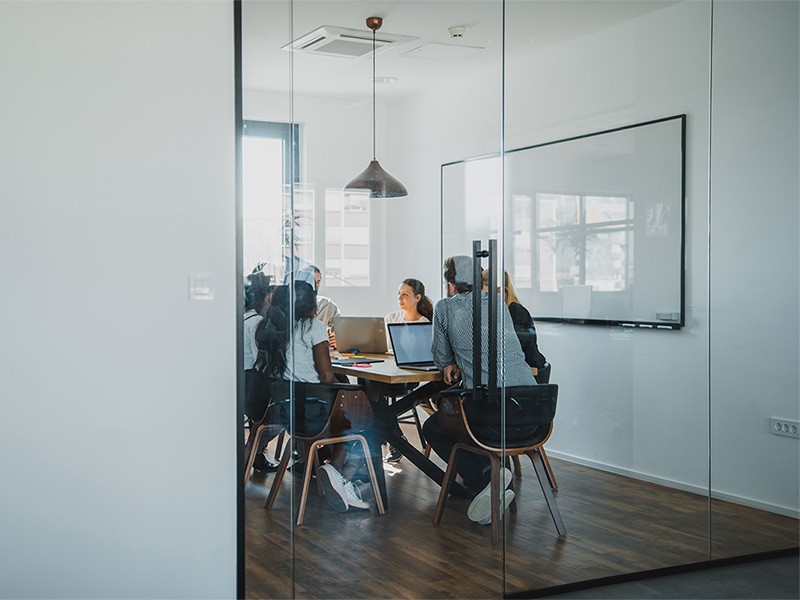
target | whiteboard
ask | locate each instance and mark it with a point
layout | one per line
(594, 224)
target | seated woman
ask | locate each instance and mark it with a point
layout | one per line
(523, 323)
(307, 359)
(257, 293)
(415, 306)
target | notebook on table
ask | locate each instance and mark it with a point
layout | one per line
(412, 345)
(362, 335)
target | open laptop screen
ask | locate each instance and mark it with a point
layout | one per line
(411, 342)
(360, 334)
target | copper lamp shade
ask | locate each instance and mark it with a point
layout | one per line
(379, 183)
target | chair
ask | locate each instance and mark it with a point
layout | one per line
(323, 414)
(257, 430)
(542, 376)
(480, 429)
(257, 399)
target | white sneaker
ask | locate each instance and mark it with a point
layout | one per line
(508, 496)
(333, 487)
(353, 496)
(481, 506)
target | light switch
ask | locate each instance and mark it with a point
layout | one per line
(201, 287)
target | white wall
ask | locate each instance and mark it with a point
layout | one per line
(117, 419)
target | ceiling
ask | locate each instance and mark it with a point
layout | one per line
(531, 26)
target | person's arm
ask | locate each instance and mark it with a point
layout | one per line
(443, 356)
(322, 362)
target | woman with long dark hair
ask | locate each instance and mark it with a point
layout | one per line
(296, 349)
(307, 358)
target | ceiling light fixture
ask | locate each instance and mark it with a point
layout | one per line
(374, 179)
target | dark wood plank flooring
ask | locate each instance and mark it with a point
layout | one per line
(615, 525)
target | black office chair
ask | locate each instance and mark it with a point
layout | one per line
(480, 426)
(319, 415)
(542, 376)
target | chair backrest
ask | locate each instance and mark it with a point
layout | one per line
(529, 413)
(320, 409)
(543, 376)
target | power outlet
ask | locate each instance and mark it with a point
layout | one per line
(784, 427)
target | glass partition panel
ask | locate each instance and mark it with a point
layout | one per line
(597, 255)
(672, 441)
(270, 148)
(754, 279)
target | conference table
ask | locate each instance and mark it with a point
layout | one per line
(378, 378)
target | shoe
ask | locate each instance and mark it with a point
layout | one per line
(354, 496)
(393, 456)
(481, 505)
(333, 487)
(508, 496)
(261, 463)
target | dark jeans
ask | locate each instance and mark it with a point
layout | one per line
(474, 469)
(383, 423)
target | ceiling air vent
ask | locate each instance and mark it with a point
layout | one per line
(346, 43)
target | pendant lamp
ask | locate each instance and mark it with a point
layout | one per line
(379, 183)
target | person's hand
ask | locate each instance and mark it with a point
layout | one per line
(451, 374)
(331, 338)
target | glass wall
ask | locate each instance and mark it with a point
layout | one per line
(598, 218)
(608, 149)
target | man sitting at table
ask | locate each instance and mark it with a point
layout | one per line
(452, 354)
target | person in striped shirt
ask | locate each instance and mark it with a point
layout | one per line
(452, 354)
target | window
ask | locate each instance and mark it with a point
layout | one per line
(346, 238)
(584, 240)
(269, 173)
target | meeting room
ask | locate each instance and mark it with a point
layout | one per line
(535, 208)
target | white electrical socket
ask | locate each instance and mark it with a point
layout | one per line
(785, 427)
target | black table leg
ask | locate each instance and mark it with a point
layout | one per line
(427, 466)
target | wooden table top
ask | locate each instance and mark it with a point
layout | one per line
(387, 371)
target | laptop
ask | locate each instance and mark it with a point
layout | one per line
(362, 335)
(412, 345)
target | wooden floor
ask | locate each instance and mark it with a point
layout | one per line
(615, 525)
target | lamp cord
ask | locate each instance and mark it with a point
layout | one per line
(374, 153)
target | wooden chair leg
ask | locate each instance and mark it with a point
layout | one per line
(276, 483)
(311, 459)
(541, 475)
(496, 492)
(251, 449)
(427, 451)
(517, 467)
(548, 469)
(449, 476)
(279, 445)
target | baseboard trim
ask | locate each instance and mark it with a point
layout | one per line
(678, 485)
(662, 572)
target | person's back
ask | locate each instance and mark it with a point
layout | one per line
(452, 332)
(452, 341)
(452, 353)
